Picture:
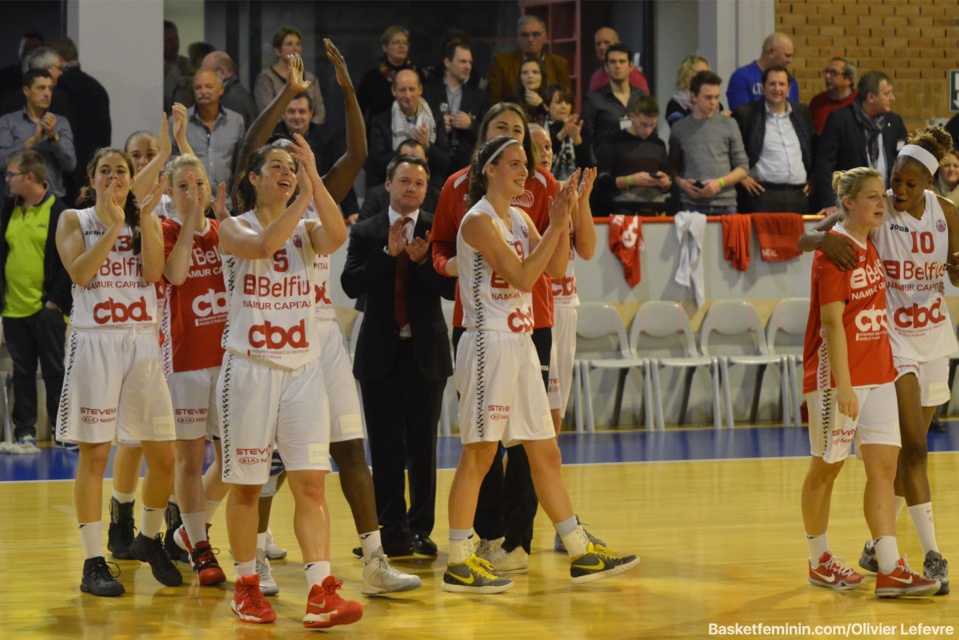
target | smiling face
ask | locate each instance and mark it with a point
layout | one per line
(949, 169)
(530, 76)
(508, 174)
(868, 207)
(291, 44)
(558, 108)
(207, 88)
(544, 148)
(298, 115)
(908, 184)
(142, 149)
(408, 91)
(507, 123)
(112, 168)
(776, 89)
(276, 179)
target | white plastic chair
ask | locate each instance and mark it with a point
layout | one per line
(602, 343)
(785, 333)
(741, 340)
(661, 333)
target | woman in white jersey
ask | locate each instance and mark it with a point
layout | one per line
(849, 388)
(918, 244)
(500, 255)
(114, 255)
(271, 387)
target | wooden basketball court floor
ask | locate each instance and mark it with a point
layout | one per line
(714, 515)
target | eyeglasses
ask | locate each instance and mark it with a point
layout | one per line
(532, 35)
(833, 72)
(14, 174)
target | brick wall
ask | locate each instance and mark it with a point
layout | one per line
(915, 43)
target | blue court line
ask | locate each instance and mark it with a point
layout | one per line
(597, 448)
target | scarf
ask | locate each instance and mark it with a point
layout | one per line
(683, 97)
(564, 153)
(872, 128)
(402, 126)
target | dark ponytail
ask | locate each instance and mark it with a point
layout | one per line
(131, 210)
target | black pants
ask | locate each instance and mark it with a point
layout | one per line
(37, 338)
(402, 412)
(507, 502)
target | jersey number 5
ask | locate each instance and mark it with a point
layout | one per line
(280, 262)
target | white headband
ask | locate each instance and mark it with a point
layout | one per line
(498, 151)
(927, 159)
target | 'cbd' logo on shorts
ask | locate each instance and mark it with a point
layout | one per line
(271, 336)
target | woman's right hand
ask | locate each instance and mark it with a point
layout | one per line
(560, 208)
(533, 99)
(179, 125)
(847, 401)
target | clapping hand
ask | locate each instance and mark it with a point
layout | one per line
(219, 205)
(339, 64)
(419, 248)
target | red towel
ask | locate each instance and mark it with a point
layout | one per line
(626, 241)
(736, 239)
(779, 235)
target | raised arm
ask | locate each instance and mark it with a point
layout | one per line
(584, 231)
(339, 179)
(146, 179)
(330, 234)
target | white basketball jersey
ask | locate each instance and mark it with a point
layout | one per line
(489, 302)
(564, 289)
(321, 275)
(914, 254)
(272, 303)
(117, 297)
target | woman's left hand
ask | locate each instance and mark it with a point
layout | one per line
(533, 99)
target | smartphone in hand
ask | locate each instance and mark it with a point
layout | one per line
(699, 184)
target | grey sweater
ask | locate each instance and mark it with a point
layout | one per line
(707, 149)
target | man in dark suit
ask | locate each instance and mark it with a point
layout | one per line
(409, 117)
(777, 135)
(504, 71)
(378, 198)
(865, 134)
(465, 105)
(402, 356)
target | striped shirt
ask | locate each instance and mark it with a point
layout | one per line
(217, 149)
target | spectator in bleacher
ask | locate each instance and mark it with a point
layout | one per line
(567, 133)
(215, 133)
(436, 72)
(175, 66)
(375, 91)
(532, 34)
(745, 85)
(465, 105)
(604, 110)
(36, 290)
(269, 82)
(530, 91)
(840, 77)
(91, 109)
(11, 76)
(947, 179)
(235, 96)
(777, 135)
(864, 134)
(605, 36)
(409, 117)
(706, 152)
(633, 164)
(36, 127)
(681, 104)
(378, 198)
(47, 59)
(298, 118)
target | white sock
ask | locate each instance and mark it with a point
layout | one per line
(925, 528)
(245, 568)
(818, 545)
(576, 542)
(316, 572)
(261, 541)
(195, 525)
(124, 498)
(90, 537)
(172, 500)
(900, 503)
(887, 553)
(211, 507)
(150, 521)
(370, 542)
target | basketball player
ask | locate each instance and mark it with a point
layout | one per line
(849, 389)
(918, 245)
(500, 256)
(114, 255)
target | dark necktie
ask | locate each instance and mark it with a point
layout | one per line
(399, 288)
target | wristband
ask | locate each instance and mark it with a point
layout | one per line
(722, 184)
(629, 181)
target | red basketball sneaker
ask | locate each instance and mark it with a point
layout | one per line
(833, 574)
(903, 581)
(249, 604)
(324, 608)
(204, 563)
